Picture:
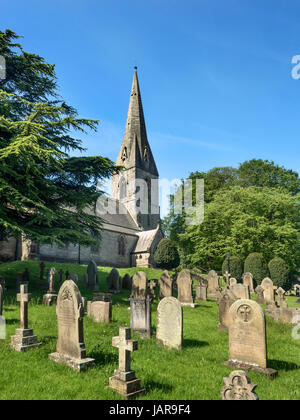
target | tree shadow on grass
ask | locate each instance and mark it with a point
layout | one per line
(102, 358)
(49, 339)
(12, 321)
(194, 343)
(282, 365)
(153, 385)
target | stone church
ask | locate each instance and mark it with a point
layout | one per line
(131, 219)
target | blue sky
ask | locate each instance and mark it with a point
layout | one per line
(215, 75)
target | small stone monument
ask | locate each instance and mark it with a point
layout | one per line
(140, 305)
(226, 299)
(213, 283)
(201, 289)
(232, 282)
(92, 272)
(260, 295)
(100, 308)
(124, 381)
(268, 287)
(227, 277)
(24, 339)
(185, 289)
(247, 337)
(248, 281)
(238, 387)
(50, 297)
(113, 281)
(282, 303)
(165, 285)
(127, 282)
(169, 329)
(70, 344)
(139, 285)
(241, 291)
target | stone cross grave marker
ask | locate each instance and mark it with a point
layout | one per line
(24, 339)
(124, 381)
(227, 277)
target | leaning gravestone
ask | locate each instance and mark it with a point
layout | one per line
(213, 283)
(248, 281)
(100, 308)
(113, 281)
(124, 381)
(1, 300)
(169, 329)
(165, 285)
(247, 337)
(224, 302)
(24, 339)
(92, 272)
(185, 289)
(238, 387)
(268, 287)
(127, 282)
(241, 291)
(70, 344)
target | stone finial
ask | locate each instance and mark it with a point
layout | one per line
(238, 387)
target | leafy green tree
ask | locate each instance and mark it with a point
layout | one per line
(236, 270)
(280, 273)
(166, 255)
(241, 220)
(44, 192)
(255, 264)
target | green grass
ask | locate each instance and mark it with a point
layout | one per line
(195, 372)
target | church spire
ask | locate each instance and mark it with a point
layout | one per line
(135, 150)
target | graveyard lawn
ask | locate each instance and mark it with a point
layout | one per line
(194, 373)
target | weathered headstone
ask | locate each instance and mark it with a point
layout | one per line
(152, 287)
(247, 337)
(100, 308)
(213, 283)
(226, 299)
(127, 282)
(241, 291)
(281, 300)
(70, 344)
(268, 288)
(185, 289)
(124, 381)
(232, 282)
(260, 295)
(92, 271)
(165, 285)
(50, 297)
(238, 387)
(113, 281)
(140, 315)
(24, 339)
(248, 281)
(169, 329)
(201, 290)
(139, 285)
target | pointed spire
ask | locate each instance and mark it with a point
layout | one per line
(135, 150)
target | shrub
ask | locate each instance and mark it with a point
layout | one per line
(166, 255)
(236, 270)
(255, 264)
(280, 273)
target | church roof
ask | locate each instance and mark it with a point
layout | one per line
(122, 218)
(135, 150)
(145, 241)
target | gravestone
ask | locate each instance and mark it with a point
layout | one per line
(268, 288)
(281, 300)
(226, 299)
(241, 291)
(232, 282)
(247, 337)
(260, 295)
(100, 308)
(113, 281)
(70, 347)
(248, 281)
(152, 287)
(169, 328)
(50, 297)
(24, 339)
(92, 272)
(213, 283)
(140, 315)
(139, 285)
(124, 381)
(127, 282)
(238, 387)
(1, 300)
(201, 290)
(165, 285)
(185, 289)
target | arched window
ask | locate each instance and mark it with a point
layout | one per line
(122, 245)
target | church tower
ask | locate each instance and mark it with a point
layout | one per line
(137, 185)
